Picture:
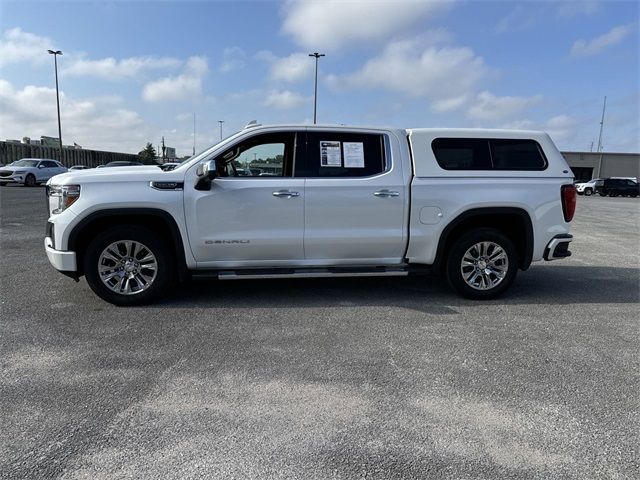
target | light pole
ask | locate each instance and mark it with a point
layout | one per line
(315, 89)
(221, 122)
(55, 62)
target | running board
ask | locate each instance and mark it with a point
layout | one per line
(249, 274)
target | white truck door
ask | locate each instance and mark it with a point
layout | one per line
(253, 214)
(355, 199)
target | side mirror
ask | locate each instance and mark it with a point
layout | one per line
(206, 172)
(208, 169)
(41, 166)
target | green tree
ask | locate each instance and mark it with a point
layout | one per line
(148, 155)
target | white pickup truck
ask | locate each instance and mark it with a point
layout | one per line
(319, 201)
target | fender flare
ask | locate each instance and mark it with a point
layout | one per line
(527, 250)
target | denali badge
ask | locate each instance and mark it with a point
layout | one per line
(224, 242)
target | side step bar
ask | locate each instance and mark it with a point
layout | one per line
(249, 274)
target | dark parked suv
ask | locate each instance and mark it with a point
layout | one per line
(617, 186)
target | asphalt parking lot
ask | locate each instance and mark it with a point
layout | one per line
(320, 379)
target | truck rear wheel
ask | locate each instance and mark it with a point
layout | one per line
(128, 265)
(482, 263)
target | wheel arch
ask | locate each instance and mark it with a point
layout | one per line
(155, 219)
(513, 222)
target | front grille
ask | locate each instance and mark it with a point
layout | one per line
(5, 173)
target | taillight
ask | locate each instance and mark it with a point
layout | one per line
(569, 195)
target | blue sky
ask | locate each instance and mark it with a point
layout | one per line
(134, 71)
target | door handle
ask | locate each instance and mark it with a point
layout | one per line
(285, 194)
(386, 193)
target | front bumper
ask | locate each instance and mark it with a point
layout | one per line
(62, 261)
(558, 247)
(15, 178)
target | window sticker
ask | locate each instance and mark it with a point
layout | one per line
(353, 154)
(330, 154)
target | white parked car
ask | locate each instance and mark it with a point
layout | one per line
(587, 188)
(30, 171)
(473, 205)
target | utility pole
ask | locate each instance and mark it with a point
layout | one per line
(55, 54)
(315, 88)
(163, 151)
(600, 146)
(220, 122)
(194, 133)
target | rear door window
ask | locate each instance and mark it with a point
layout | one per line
(341, 154)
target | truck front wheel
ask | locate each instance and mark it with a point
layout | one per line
(128, 265)
(481, 264)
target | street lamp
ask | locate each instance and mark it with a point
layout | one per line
(220, 122)
(55, 62)
(315, 94)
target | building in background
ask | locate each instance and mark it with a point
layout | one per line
(588, 165)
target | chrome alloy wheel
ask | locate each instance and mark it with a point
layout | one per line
(484, 265)
(127, 267)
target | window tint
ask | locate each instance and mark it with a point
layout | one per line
(462, 153)
(517, 155)
(267, 155)
(488, 154)
(50, 164)
(340, 154)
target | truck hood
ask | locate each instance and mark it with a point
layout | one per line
(144, 173)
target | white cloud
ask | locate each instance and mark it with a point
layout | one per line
(572, 8)
(449, 104)
(233, 58)
(18, 46)
(517, 20)
(293, 68)
(583, 48)
(112, 69)
(183, 117)
(489, 107)
(333, 24)
(284, 100)
(562, 128)
(442, 74)
(184, 86)
(97, 123)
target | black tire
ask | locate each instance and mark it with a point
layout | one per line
(462, 245)
(588, 192)
(30, 180)
(165, 273)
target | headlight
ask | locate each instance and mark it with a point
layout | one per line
(20, 171)
(62, 197)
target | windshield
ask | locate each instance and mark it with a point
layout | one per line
(25, 163)
(209, 148)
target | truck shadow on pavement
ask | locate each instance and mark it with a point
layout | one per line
(543, 285)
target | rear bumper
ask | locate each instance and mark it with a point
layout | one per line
(62, 261)
(558, 247)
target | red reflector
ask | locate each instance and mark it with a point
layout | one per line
(569, 195)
